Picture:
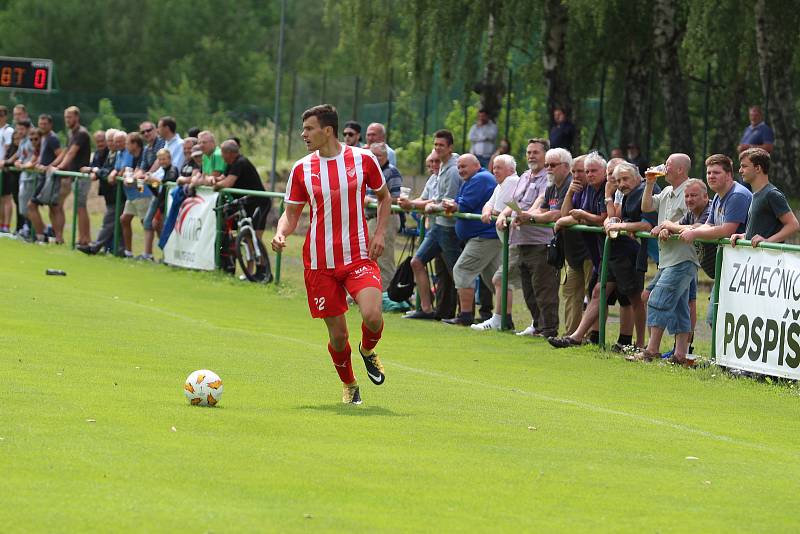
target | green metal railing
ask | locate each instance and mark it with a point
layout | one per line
(228, 192)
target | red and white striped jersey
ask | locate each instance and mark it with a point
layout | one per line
(335, 188)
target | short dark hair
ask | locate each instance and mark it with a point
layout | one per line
(169, 122)
(447, 135)
(758, 157)
(136, 138)
(482, 110)
(354, 125)
(326, 114)
(540, 140)
(194, 131)
(47, 117)
(722, 160)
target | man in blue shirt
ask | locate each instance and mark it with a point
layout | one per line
(481, 254)
(757, 134)
(729, 208)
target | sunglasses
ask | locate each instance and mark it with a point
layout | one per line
(350, 134)
(553, 165)
(146, 131)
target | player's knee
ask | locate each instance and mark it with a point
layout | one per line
(338, 338)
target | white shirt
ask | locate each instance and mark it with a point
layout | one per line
(502, 194)
(6, 137)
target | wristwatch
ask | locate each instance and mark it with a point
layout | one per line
(609, 199)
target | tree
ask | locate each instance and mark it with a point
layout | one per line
(776, 39)
(554, 35)
(669, 27)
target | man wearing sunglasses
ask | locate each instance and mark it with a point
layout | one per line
(352, 133)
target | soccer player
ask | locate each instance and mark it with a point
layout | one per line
(339, 254)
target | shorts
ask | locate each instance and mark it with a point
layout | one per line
(138, 208)
(440, 239)
(668, 306)
(513, 269)
(692, 286)
(481, 256)
(26, 191)
(263, 205)
(622, 271)
(83, 192)
(10, 182)
(327, 289)
(147, 222)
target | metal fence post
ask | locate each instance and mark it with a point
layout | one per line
(117, 224)
(74, 209)
(603, 299)
(715, 301)
(278, 255)
(218, 240)
(504, 281)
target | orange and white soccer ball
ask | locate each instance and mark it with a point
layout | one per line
(203, 388)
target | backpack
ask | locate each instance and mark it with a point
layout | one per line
(402, 285)
(555, 251)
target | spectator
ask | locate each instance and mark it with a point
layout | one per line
(167, 128)
(148, 170)
(98, 169)
(242, 174)
(193, 132)
(213, 165)
(503, 147)
(616, 152)
(20, 113)
(6, 202)
(77, 155)
(612, 191)
(47, 190)
(729, 208)
(25, 158)
(627, 261)
(441, 238)
(575, 290)
(138, 196)
(20, 151)
(394, 181)
(757, 134)
(192, 160)
(376, 133)
(505, 172)
(669, 292)
(352, 133)
(481, 254)
(152, 144)
(539, 280)
(482, 138)
(592, 211)
(559, 178)
(636, 158)
(698, 208)
(562, 135)
(169, 174)
(770, 218)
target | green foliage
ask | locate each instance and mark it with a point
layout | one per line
(105, 117)
(188, 102)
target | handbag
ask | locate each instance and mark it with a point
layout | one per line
(555, 252)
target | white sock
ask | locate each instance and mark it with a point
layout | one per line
(496, 319)
(128, 253)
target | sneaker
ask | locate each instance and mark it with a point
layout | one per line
(374, 367)
(243, 277)
(488, 324)
(142, 257)
(643, 356)
(530, 331)
(461, 320)
(563, 342)
(350, 394)
(621, 348)
(419, 314)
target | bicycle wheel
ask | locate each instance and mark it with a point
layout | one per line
(254, 263)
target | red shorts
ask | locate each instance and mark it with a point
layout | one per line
(327, 288)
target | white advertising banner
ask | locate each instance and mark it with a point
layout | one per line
(759, 307)
(191, 243)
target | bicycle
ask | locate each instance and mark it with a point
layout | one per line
(253, 260)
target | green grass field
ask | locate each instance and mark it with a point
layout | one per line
(472, 431)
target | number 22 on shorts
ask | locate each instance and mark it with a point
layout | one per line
(319, 302)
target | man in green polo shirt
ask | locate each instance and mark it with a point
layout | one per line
(213, 166)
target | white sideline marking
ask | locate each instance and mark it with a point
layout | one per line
(444, 376)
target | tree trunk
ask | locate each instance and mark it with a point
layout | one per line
(729, 120)
(554, 37)
(776, 35)
(491, 87)
(634, 105)
(668, 31)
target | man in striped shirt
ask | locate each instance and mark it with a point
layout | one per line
(339, 254)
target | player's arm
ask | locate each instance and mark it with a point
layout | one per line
(376, 242)
(286, 224)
